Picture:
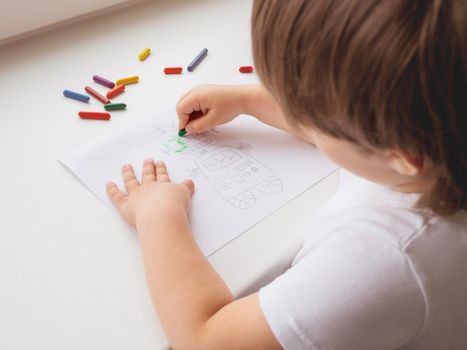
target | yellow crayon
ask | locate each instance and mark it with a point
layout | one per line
(128, 80)
(144, 54)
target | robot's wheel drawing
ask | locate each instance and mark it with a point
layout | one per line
(244, 200)
(271, 186)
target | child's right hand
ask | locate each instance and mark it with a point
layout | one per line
(207, 106)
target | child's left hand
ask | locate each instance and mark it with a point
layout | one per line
(194, 305)
(154, 197)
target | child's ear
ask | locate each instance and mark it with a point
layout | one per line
(405, 164)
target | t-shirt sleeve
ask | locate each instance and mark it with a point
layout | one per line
(354, 291)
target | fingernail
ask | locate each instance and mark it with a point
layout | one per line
(149, 160)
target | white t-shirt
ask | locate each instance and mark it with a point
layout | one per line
(373, 273)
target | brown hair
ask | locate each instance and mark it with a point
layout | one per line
(382, 74)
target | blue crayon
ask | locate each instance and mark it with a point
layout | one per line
(191, 67)
(76, 96)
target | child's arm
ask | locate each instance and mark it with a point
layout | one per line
(219, 104)
(195, 307)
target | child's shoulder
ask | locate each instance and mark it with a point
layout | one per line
(348, 282)
(363, 206)
(370, 263)
(360, 206)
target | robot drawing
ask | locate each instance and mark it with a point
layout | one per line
(236, 176)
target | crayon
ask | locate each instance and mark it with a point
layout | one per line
(246, 69)
(98, 79)
(173, 70)
(128, 80)
(181, 132)
(115, 91)
(76, 96)
(144, 54)
(115, 106)
(94, 115)
(96, 95)
(197, 60)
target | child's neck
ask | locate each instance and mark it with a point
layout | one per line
(415, 186)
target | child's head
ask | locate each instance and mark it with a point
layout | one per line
(387, 77)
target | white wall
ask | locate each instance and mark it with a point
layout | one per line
(21, 16)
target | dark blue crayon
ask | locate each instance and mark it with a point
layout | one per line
(76, 96)
(191, 67)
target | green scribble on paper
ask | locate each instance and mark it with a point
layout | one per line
(175, 145)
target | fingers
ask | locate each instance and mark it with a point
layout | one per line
(149, 171)
(187, 104)
(189, 185)
(192, 105)
(199, 125)
(161, 172)
(207, 106)
(129, 178)
(116, 196)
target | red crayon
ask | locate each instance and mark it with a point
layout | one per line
(117, 90)
(94, 115)
(173, 70)
(246, 69)
(96, 95)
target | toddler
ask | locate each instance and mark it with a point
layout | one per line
(379, 86)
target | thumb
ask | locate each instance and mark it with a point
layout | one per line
(198, 125)
(189, 185)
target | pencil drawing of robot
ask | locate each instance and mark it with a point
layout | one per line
(238, 177)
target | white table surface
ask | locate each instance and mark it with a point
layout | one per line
(71, 274)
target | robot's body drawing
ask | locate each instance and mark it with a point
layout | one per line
(238, 177)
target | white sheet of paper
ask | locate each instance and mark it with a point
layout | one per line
(243, 171)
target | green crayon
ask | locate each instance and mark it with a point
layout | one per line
(114, 106)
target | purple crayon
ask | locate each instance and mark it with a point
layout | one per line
(98, 79)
